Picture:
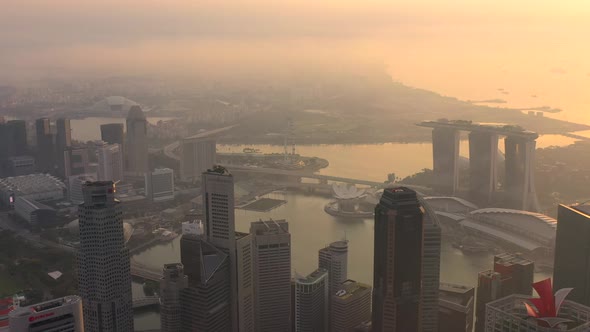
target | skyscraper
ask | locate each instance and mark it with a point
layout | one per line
(198, 155)
(63, 314)
(456, 308)
(572, 252)
(76, 161)
(217, 191)
(173, 282)
(271, 245)
(159, 185)
(430, 269)
(110, 163)
(206, 302)
(245, 282)
(351, 306)
(136, 148)
(63, 141)
(334, 258)
(13, 139)
(19, 136)
(397, 265)
(45, 146)
(311, 302)
(113, 133)
(104, 276)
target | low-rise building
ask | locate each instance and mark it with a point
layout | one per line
(509, 314)
(37, 187)
(35, 213)
(63, 314)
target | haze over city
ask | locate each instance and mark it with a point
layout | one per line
(294, 166)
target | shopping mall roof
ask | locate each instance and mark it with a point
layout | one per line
(31, 184)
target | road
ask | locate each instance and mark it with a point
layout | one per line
(169, 150)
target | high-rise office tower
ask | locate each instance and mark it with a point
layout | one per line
(350, 306)
(63, 141)
(173, 282)
(76, 161)
(45, 146)
(198, 155)
(159, 185)
(217, 191)
(456, 308)
(245, 282)
(271, 245)
(63, 314)
(430, 269)
(512, 274)
(19, 136)
(113, 133)
(13, 139)
(110, 163)
(136, 148)
(206, 302)
(104, 276)
(334, 258)
(572, 252)
(397, 265)
(311, 302)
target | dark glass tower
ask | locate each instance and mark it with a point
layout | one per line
(45, 146)
(572, 252)
(63, 141)
(397, 262)
(112, 133)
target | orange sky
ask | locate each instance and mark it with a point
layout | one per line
(465, 48)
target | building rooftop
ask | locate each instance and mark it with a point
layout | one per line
(457, 294)
(465, 125)
(218, 170)
(31, 184)
(350, 288)
(313, 277)
(513, 307)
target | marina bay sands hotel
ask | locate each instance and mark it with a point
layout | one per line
(518, 188)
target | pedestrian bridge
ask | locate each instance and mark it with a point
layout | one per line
(146, 301)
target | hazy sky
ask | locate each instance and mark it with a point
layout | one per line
(464, 48)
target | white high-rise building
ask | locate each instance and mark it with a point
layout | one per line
(75, 184)
(198, 155)
(334, 258)
(110, 163)
(217, 191)
(271, 246)
(63, 314)
(104, 276)
(159, 185)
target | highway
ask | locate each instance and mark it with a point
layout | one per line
(169, 150)
(311, 175)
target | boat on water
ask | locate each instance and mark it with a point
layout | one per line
(251, 150)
